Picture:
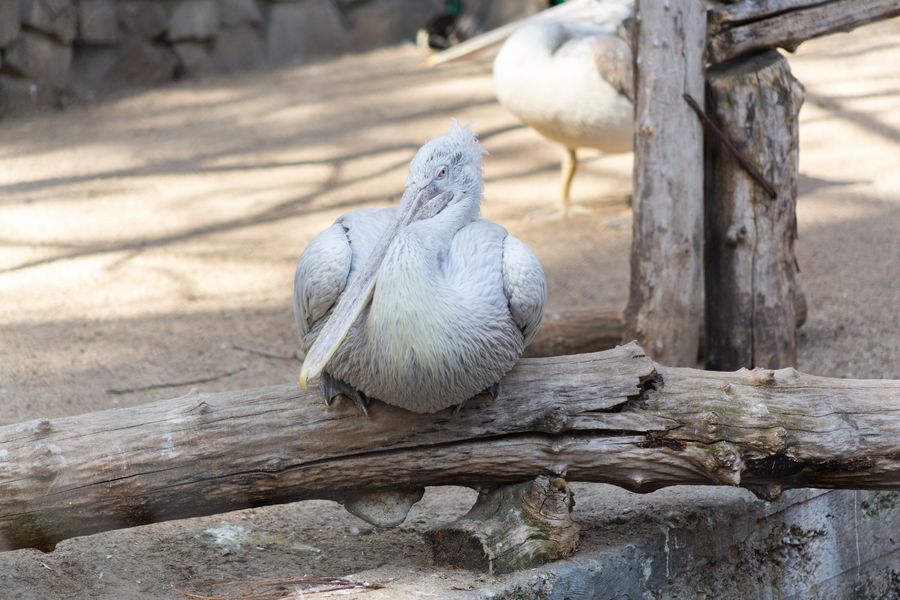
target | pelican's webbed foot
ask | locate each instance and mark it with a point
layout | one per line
(333, 387)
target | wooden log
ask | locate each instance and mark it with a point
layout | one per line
(664, 307)
(592, 329)
(744, 27)
(612, 417)
(576, 331)
(750, 265)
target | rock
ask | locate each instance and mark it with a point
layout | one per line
(9, 21)
(194, 20)
(90, 69)
(299, 31)
(383, 509)
(238, 48)
(194, 58)
(97, 22)
(18, 94)
(381, 23)
(56, 17)
(39, 58)
(142, 63)
(145, 18)
(239, 12)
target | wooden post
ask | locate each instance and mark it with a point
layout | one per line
(664, 307)
(750, 263)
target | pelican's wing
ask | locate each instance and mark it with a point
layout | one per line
(612, 55)
(321, 276)
(524, 285)
(331, 259)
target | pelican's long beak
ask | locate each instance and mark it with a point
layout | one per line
(359, 291)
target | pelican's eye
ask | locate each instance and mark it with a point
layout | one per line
(442, 172)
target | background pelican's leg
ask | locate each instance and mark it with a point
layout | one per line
(569, 164)
(332, 387)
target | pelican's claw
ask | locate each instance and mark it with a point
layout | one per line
(492, 391)
(333, 387)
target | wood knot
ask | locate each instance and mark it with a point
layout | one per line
(201, 408)
(42, 427)
(555, 420)
(728, 463)
(776, 439)
(762, 377)
(711, 423)
(735, 235)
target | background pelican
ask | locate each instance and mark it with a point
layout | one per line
(572, 83)
(567, 73)
(424, 305)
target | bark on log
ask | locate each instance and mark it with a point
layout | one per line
(612, 417)
(664, 307)
(750, 268)
(744, 27)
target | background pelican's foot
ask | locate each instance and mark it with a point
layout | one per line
(333, 387)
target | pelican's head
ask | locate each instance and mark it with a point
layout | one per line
(445, 172)
(448, 169)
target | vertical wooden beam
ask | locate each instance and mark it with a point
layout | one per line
(665, 304)
(750, 266)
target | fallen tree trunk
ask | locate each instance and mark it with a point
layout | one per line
(576, 331)
(581, 330)
(613, 417)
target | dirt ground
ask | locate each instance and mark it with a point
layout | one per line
(147, 247)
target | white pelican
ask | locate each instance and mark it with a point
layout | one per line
(572, 83)
(424, 305)
(566, 73)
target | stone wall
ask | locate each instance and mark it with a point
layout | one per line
(54, 51)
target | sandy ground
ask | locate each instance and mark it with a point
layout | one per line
(147, 247)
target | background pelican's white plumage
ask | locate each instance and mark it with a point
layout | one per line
(572, 83)
(455, 299)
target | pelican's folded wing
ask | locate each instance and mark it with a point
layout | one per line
(321, 276)
(524, 285)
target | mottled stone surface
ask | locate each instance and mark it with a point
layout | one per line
(55, 17)
(194, 58)
(97, 22)
(39, 58)
(143, 63)
(238, 12)
(144, 18)
(9, 21)
(303, 30)
(194, 20)
(238, 48)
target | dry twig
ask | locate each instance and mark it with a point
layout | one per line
(711, 127)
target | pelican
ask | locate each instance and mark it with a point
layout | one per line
(422, 306)
(570, 82)
(566, 73)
